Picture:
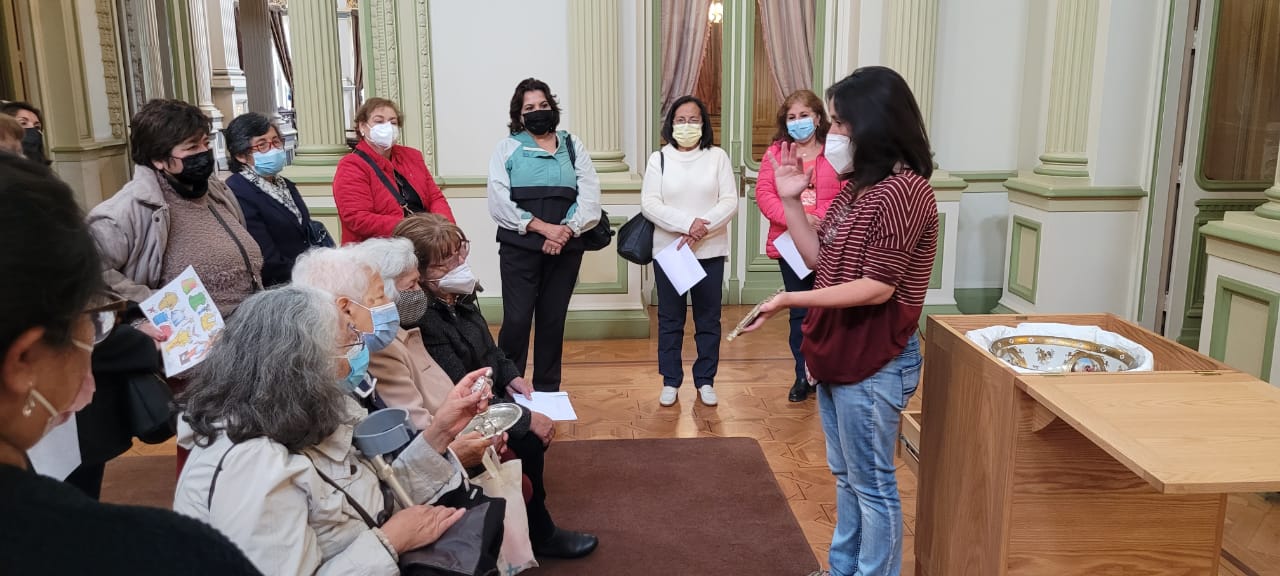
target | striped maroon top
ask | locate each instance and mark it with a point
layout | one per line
(889, 233)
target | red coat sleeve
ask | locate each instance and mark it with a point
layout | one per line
(353, 193)
(767, 190)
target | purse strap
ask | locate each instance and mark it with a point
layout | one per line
(213, 483)
(253, 278)
(395, 190)
(364, 514)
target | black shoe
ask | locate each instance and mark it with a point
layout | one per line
(799, 391)
(566, 544)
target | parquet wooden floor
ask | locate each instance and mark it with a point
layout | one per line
(615, 386)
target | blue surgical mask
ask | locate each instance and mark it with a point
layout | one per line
(801, 129)
(386, 323)
(269, 163)
(358, 359)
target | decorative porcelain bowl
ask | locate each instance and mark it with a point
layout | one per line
(1057, 354)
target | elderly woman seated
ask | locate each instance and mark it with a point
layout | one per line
(439, 300)
(270, 432)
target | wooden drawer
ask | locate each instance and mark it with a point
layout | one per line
(909, 441)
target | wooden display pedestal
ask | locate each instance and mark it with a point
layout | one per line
(1082, 474)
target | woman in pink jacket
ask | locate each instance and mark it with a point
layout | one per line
(801, 120)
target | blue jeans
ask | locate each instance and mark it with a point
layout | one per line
(794, 283)
(860, 421)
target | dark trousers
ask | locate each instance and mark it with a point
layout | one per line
(88, 478)
(705, 296)
(536, 286)
(794, 283)
(528, 447)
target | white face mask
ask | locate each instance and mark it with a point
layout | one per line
(384, 135)
(53, 421)
(460, 280)
(839, 152)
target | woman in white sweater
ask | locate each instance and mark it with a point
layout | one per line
(690, 195)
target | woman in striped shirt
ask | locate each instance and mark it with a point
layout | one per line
(873, 255)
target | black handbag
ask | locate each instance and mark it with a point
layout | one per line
(468, 548)
(151, 415)
(635, 238)
(599, 237)
(318, 236)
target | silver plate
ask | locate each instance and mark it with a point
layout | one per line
(497, 419)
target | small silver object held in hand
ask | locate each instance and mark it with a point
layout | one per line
(751, 316)
(484, 381)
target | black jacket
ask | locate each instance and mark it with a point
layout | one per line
(104, 426)
(51, 528)
(280, 236)
(457, 337)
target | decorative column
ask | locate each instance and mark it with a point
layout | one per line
(910, 48)
(1070, 90)
(259, 71)
(228, 82)
(148, 53)
(199, 19)
(1271, 210)
(1059, 210)
(396, 55)
(595, 82)
(317, 71)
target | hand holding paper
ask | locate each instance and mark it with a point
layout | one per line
(681, 266)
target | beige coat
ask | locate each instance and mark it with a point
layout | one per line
(287, 520)
(409, 378)
(132, 232)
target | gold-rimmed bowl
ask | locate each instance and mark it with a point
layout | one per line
(1058, 354)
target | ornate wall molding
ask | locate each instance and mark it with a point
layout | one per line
(111, 65)
(426, 95)
(384, 58)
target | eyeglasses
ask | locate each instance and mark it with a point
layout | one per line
(458, 257)
(104, 319)
(264, 147)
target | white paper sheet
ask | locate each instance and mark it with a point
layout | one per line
(57, 455)
(680, 266)
(787, 248)
(553, 405)
(185, 313)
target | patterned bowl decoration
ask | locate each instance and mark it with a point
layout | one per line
(1057, 354)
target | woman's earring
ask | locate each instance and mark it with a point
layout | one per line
(29, 405)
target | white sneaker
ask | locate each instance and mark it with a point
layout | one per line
(707, 394)
(668, 396)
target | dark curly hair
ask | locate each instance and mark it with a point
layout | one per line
(160, 126)
(887, 128)
(517, 102)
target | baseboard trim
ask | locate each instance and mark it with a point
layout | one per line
(585, 324)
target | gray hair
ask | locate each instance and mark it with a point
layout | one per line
(271, 373)
(336, 271)
(389, 257)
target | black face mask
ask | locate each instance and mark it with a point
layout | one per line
(541, 122)
(196, 170)
(33, 145)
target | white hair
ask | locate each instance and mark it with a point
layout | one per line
(389, 257)
(336, 271)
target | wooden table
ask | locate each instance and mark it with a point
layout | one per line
(1082, 474)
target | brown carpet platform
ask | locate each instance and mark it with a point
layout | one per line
(695, 506)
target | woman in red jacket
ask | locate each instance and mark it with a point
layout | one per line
(802, 121)
(381, 182)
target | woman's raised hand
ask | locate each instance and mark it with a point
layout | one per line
(789, 175)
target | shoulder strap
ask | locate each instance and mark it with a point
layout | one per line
(214, 482)
(395, 191)
(364, 515)
(662, 162)
(573, 154)
(253, 278)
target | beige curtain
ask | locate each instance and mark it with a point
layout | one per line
(789, 41)
(684, 42)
